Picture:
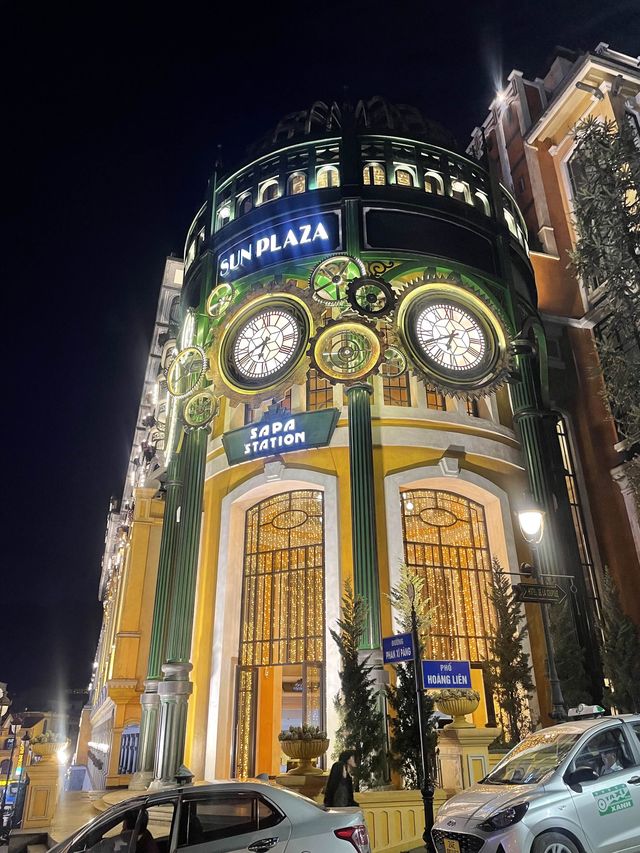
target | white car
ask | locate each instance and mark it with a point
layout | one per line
(570, 788)
(222, 817)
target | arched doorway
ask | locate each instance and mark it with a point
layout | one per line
(280, 678)
(445, 539)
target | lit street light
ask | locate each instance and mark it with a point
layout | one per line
(531, 521)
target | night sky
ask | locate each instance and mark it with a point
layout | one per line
(111, 120)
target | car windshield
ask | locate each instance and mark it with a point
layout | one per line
(534, 758)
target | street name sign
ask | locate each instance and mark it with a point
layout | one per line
(446, 673)
(539, 593)
(397, 649)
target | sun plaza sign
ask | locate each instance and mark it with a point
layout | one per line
(292, 239)
(280, 432)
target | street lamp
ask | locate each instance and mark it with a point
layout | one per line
(428, 787)
(531, 521)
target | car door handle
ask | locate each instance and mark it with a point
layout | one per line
(635, 780)
(263, 845)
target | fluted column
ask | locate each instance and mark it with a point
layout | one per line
(175, 688)
(363, 509)
(157, 649)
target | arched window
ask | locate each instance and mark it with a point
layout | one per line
(374, 173)
(460, 190)
(481, 201)
(328, 176)
(404, 178)
(224, 215)
(269, 192)
(445, 540)
(244, 204)
(297, 184)
(282, 622)
(433, 183)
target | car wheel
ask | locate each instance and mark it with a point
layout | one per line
(554, 842)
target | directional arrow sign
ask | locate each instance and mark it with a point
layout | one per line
(539, 593)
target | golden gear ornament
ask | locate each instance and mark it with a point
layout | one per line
(346, 351)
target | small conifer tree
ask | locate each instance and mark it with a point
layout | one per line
(509, 669)
(569, 656)
(404, 732)
(620, 652)
(361, 720)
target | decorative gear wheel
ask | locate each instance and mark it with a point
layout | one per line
(330, 278)
(219, 300)
(287, 297)
(394, 362)
(346, 351)
(371, 296)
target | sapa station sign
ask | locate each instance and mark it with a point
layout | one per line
(292, 239)
(280, 434)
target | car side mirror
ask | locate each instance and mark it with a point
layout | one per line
(580, 775)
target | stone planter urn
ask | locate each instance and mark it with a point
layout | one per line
(457, 704)
(48, 751)
(304, 752)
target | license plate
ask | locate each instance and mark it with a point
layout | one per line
(451, 845)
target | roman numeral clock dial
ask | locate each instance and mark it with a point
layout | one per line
(262, 347)
(456, 341)
(266, 344)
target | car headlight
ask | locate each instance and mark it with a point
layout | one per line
(505, 818)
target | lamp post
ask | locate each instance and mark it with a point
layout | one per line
(428, 787)
(531, 521)
(15, 727)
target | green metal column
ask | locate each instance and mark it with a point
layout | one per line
(174, 690)
(150, 700)
(558, 552)
(363, 509)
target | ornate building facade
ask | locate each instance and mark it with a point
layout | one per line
(358, 379)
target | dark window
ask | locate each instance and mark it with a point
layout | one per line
(605, 753)
(245, 204)
(224, 815)
(472, 408)
(286, 400)
(270, 192)
(250, 414)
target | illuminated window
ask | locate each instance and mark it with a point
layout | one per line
(433, 183)
(445, 540)
(282, 610)
(436, 400)
(460, 190)
(396, 389)
(328, 176)
(373, 173)
(404, 178)
(296, 184)
(319, 391)
(224, 215)
(269, 192)
(245, 204)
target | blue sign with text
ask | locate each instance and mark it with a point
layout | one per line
(397, 649)
(446, 673)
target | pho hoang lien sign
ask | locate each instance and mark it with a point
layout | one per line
(294, 238)
(282, 433)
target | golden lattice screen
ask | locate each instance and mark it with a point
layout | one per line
(445, 539)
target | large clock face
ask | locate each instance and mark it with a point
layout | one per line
(266, 343)
(451, 336)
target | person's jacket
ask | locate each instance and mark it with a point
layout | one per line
(335, 780)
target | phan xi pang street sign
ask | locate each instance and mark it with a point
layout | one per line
(397, 649)
(280, 433)
(539, 593)
(446, 673)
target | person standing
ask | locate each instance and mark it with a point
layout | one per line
(339, 790)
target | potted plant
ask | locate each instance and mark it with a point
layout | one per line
(304, 744)
(457, 702)
(48, 744)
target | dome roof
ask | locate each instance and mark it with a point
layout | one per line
(377, 115)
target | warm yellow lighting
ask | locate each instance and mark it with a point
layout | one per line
(531, 523)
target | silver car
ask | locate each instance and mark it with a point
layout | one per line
(223, 817)
(570, 788)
